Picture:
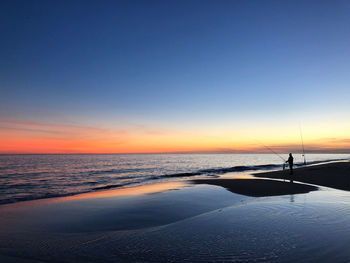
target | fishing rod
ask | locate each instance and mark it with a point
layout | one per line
(267, 147)
(302, 144)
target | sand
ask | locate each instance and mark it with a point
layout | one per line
(335, 175)
(259, 187)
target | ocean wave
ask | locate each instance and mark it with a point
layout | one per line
(109, 186)
(117, 171)
(240, 168)
(35, 197)
(319, 162)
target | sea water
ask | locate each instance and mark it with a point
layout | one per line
(28, 177)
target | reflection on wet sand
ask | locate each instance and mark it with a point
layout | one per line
(127, 191)
(138, 190)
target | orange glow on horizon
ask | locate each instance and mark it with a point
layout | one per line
(33, 137)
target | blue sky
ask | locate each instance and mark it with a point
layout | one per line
(175, 63)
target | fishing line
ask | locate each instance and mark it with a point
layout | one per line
(267, 147)
(302, 144)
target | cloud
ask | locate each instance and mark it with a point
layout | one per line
(58, 129)
(324, 145)
(334, 140)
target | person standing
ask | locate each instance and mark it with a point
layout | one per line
(290, 162)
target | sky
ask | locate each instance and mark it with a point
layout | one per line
(174, 76)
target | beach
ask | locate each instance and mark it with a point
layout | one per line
(161, 131)
(208, 220)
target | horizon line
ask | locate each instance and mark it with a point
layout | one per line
(88, 153)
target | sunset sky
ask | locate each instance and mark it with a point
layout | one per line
(174, 76)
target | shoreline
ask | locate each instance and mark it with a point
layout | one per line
(316, 174)
(207, 220)
(334, 175)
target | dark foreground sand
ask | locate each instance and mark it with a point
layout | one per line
(335, 175)
(259, 187)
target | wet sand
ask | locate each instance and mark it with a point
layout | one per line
(108, 226)
(198, 223)
(335, 175)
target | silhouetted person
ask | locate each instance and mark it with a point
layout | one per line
(290, 162)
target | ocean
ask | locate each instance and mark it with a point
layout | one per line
(29, 177)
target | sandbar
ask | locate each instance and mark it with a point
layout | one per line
(258, 187)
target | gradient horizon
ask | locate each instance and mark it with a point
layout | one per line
(174, 76)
